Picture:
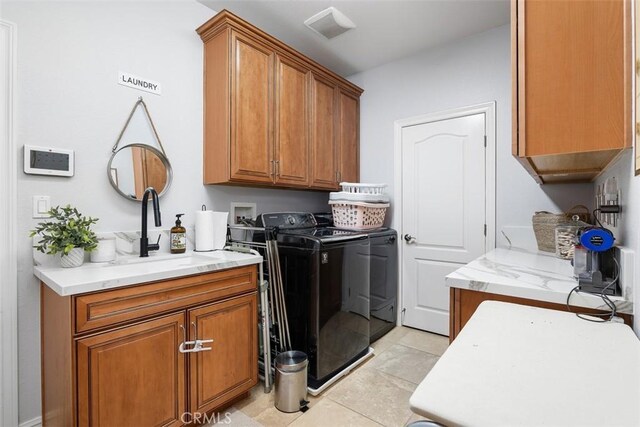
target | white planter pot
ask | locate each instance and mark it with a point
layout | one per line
(75, 258)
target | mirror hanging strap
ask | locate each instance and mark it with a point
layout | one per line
(153, 127)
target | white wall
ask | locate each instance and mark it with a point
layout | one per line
(69, 55)
(467, 72)
(628, 230)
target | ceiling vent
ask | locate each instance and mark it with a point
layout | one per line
(330, 23)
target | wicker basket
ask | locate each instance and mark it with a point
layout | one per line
(545, 223)
(358, 215)
(544, 227)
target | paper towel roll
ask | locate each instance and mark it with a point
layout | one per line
(219, 229)
(204, 230)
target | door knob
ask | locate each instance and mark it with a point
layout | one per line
(409, 238)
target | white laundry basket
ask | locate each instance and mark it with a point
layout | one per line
(354, 187)
(358, 215)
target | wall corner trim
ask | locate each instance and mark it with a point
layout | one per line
(8, 251)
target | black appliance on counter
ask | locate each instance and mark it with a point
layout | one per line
(326, 276)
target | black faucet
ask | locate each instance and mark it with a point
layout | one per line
(145, 247)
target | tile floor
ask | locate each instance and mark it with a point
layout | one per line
(376, 393)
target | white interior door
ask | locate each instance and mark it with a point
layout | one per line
(443, 212)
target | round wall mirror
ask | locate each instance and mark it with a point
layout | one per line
(135, 167)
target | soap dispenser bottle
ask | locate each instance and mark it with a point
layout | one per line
(178, 237)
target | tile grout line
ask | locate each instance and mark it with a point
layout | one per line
(353, 410)
(395, 376)
(415, 348)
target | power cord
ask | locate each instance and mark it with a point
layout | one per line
(605, 298)
(596, 217)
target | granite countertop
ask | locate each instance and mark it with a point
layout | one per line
(537, 276)
(534, 369)
(131, 270)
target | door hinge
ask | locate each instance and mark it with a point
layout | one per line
(485, 141)
(485, 230)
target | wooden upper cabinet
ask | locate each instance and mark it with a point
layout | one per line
(120, 373)
(231, 366)
(571, 89)
(251, 110)
(348, 137)
(271, 115)
(324, 170)
(292, 123)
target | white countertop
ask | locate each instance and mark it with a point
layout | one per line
(133, 270)
(533, 275)
(515, 365)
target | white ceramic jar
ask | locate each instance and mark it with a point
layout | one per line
(106, 250)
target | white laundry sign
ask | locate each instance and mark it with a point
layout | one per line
(136, 82)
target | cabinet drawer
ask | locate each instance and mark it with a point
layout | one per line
(101, 309)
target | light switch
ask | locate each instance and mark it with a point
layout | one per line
(41, 205)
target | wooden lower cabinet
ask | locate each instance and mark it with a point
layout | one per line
(231, 366)
(464, 302)
(130, 371)
(133, 376)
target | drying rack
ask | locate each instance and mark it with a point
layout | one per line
(273, 323)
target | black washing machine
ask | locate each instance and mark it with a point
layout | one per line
(326, 276)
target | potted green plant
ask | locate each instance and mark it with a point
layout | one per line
(68, 233)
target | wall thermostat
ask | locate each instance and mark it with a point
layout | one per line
(48, 161)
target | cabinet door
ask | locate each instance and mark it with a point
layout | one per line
(251, 110)
(349, 136)
(121, 372)
(230, 368)
(571, 67)
(292, 124)
(323, 134)
(573, 75)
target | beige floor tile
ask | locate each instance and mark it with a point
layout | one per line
(389, 339)
(376, 395)
(425, 341)
(405, 362)
(235, 418)
(257, 402)
(272, 417)
(327, 413)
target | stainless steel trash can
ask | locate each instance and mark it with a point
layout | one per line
(291, 381)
